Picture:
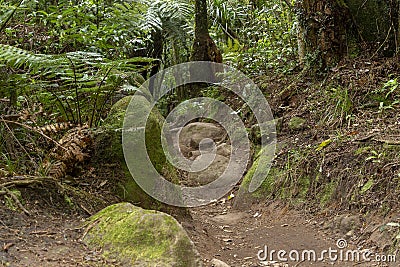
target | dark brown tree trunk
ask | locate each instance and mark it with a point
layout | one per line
(204, 48)
(331, 29)
(157, 51)
(323, 30)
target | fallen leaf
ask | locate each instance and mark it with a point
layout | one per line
(323, 144)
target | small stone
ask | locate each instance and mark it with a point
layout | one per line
(218, 263)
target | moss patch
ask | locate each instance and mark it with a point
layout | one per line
(327, 193)
(138, 237)
(244, 197)
(296, 123)
(108, 148)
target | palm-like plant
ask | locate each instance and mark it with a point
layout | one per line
(172, 22)
(229, 16)
(75, 80)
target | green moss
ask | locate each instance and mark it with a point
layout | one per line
(296, 123)
(130, 191)
(327, 192)
(267, 185)
(108, 148)
(303, 183)
(115, 118)
(290, 184)
(133, 235)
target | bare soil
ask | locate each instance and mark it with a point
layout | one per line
(51, 236)
(236, 237)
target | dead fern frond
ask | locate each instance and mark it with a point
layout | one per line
(74, 144)
(55, 128)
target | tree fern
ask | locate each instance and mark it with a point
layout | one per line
(174, 19)
(74, 79)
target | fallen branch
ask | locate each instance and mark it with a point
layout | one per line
(365, 138)
(373, 137)
(34, 130)
(28, 180)
(88, 228)
(387, 141)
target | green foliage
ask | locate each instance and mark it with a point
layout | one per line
(339, 105)
(10, 165)
(388, 95)
(9, 12)
(375, 156)
(228, 17)
(255, 38)
(79, 83)
(96, 26)
(367, 186)
(115, 29)
(173, 19)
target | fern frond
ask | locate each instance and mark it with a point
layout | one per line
(159, 13)
(68, 76)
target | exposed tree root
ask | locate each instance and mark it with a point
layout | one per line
(80, 198)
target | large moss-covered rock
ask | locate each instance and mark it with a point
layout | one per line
(109, 157)
(245, 198)
(137, 237)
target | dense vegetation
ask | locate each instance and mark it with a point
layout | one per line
(66, 61)
(69, 61)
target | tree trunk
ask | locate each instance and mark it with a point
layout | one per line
(204, 48)
(329, 30)
(157, 51)
(322, 31)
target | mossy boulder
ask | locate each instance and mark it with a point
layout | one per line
(108, 149)
(244, 198)
(211, 173)
(137, 237)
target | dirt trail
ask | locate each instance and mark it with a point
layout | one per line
(44, 239)
(236, 237)
(52, 238)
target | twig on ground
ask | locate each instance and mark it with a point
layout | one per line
(27, 180)
(365, 138)
(387, 141)
(90, 226)
(372, 137)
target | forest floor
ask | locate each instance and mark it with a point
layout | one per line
(247, 237)
(52, 237)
